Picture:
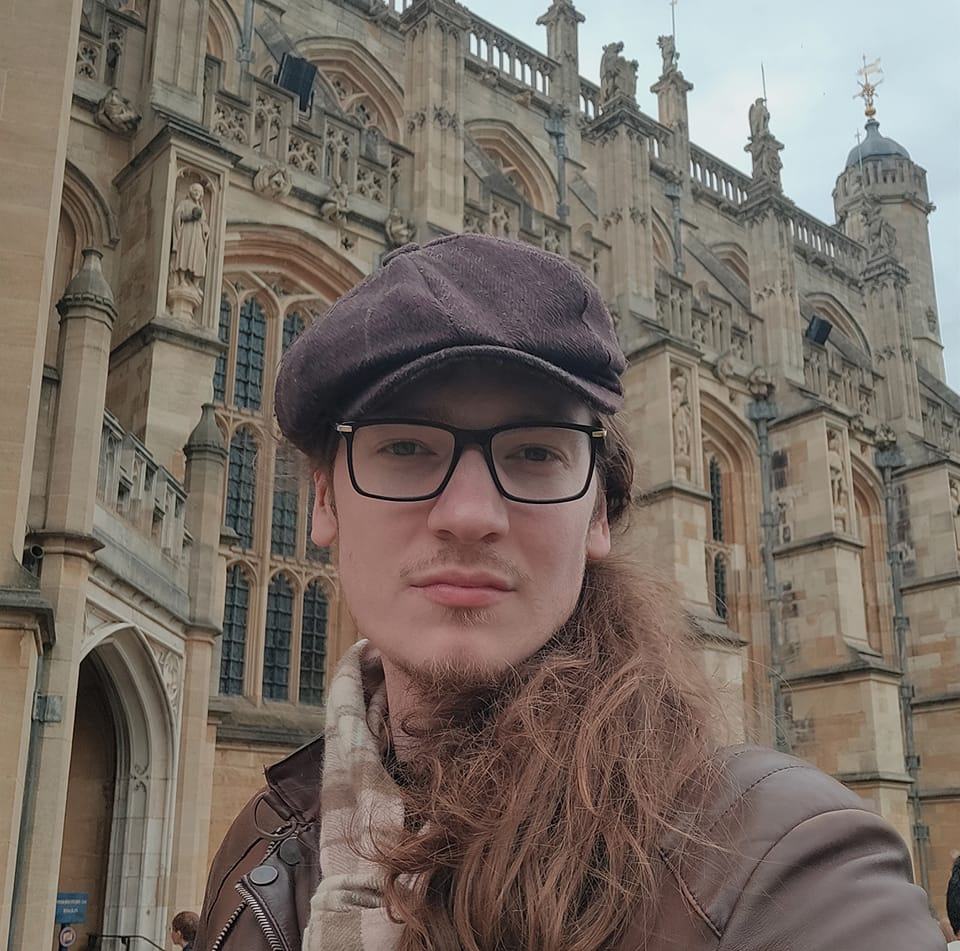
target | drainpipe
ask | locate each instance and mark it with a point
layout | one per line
(761, 411)
(889, 457)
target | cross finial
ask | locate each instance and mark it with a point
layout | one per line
(868, 88)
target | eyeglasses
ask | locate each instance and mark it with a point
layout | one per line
(404, 460)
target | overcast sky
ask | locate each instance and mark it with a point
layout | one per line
(811, 50)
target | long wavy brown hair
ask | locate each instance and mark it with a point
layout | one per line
(535, 809)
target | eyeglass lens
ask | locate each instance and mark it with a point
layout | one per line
(410, 460)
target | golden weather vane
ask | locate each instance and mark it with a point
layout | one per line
(868, 88)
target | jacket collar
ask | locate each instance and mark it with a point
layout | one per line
(295, 781)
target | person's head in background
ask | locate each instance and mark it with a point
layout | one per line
(953, 898)
(183, 929)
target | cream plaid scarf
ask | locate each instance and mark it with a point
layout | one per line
(359, 796)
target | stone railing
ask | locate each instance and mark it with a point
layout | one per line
(134, 486)
(589, 99)
(941, 425)
(397, 6)
(828, 374)
(491, 48)
(824, 244)
(102, 49)
(658, 136)
(717, 177)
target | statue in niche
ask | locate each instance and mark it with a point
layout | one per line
(880, 236)
(188, 259)
(500, 221)
(334, 206)
(273, 181)
(116, 113)
(618, 75)
(682, 423)
(551, 242)
(668, 53)
(838, 486)
(955, 511)
(763, 146)
(399, 230)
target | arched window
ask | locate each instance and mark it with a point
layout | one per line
(242, 485)
(276, 640)
(223, 333)
(293, 325)
(283, 534)
(313, 644)
(720, 587)
(233, 641)
(251, 346)
(716, 500)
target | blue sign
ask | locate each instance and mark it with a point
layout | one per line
(71, 907)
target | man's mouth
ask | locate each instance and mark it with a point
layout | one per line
(459, 588)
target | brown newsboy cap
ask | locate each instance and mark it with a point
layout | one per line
(460, 297)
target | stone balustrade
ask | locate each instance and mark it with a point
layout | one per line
(838, 380)
(589, 99)
(718, 178)
(824, 244)
(491, 48)
(135, 487)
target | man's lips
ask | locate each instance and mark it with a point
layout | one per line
(463, 589)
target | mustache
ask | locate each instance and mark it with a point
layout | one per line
(458, 556)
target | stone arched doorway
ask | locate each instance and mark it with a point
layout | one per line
(120, 801)
(90, 799)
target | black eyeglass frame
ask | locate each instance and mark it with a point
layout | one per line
(471, 437)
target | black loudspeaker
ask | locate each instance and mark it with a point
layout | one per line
(297, 75)
(818, 329)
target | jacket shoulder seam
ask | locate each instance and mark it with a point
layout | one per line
(776, 842)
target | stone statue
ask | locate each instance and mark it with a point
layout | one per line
(116, 113)
(334, 206)
(500, 221)
(191, 230)
(682, 423)
(399, 230)
(763, 146)
(669, 54)
(551, 242)
(759, 119)
(955, 511)
(838, 488)
(618, 76)
(880, 236)
(188, 254)
(273, 181)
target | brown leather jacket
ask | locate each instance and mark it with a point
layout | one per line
(807, 868)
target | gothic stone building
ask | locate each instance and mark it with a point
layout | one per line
(174, 215)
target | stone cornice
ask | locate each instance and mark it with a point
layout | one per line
(858, 668)
(30, 602)
(163, 328)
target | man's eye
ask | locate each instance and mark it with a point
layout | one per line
(404, 448)
(536, 454)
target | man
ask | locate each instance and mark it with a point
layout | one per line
(953, 906)
(183, 929)
(520, 754)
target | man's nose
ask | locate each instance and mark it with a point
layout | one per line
(470, 508)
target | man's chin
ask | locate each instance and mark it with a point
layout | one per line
(451, 666)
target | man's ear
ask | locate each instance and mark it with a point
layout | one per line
(598, 535)
(324, 523)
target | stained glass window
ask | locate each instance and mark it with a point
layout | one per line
(241, 485)
(720, 586)
(234, 636)
(313, 644)
(716, 500)
(293, 325)
(276, 646)
(223, 333)
(251, 345)
(286, 492)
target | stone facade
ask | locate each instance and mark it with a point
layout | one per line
(797, 447)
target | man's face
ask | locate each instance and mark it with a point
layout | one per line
(467, 582)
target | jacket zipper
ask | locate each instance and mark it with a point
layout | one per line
(273, 939)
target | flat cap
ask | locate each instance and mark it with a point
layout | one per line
(460, 297)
